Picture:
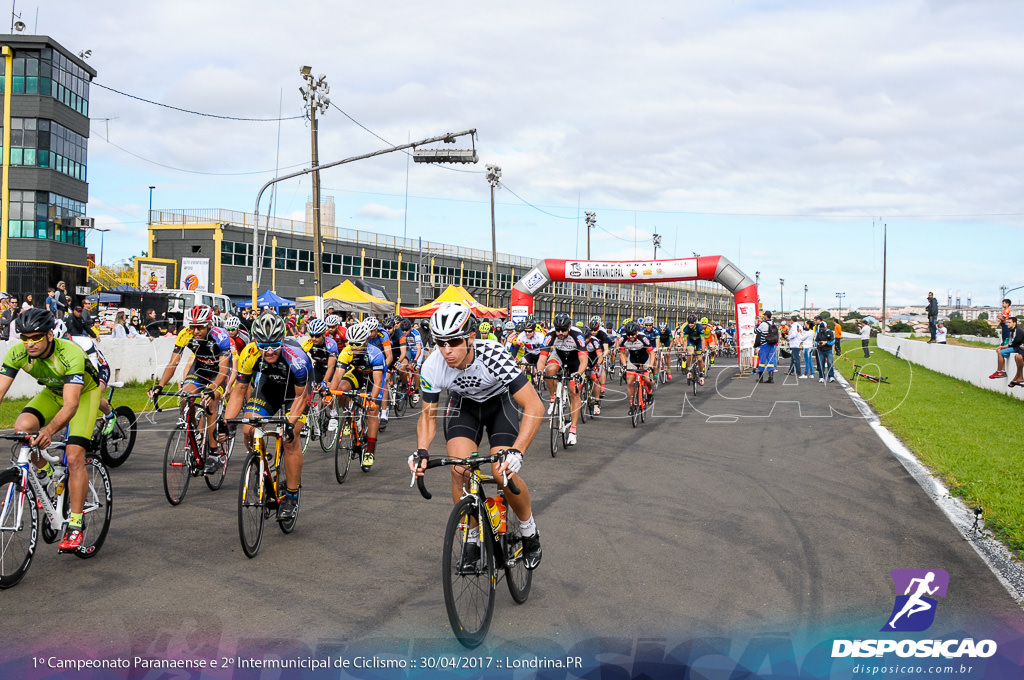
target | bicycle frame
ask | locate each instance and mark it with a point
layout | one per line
(196, 457)
(29, 478)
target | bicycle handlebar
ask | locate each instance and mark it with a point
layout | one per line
(279, 420)
(473, 462)
(24, 437)
(185, 395)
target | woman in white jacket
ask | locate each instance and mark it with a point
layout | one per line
(795, 339)
(807, 344)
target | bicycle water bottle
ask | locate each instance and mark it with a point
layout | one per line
(59, 476)
(496, 513)
(46, 480)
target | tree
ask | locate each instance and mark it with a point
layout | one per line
(854, 314)
(901, 327)
(983, 316)
(956, 315)
(825, 314)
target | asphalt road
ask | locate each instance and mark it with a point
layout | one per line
(744, 511)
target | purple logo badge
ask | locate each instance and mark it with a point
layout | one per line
(915, 605)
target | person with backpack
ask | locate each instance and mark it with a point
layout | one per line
(766, 339)
(824, 340)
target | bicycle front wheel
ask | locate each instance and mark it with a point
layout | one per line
(400, 397)
(634, 405)
(217, 480)
(468, 586)
(518, 577)
(343, 451)
(18, 528)
(117, 446)
(251, 504)
(554, 421)
(176, 472)
(99, 506)
(328, 437)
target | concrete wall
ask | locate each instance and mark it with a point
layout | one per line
(130, 359)
(970, 364)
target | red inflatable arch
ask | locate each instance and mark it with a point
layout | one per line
(705, 268)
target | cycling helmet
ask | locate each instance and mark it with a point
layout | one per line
(232, 322)
(316, 327)
(360, 333)
(372, 320)
(332, 320)
(520, 327)
(34, 320)
(200, 315)
(60, 329)
(595, 323)
(579, 324)
(692, 318)
(562, 321)
(406, 325)
(268, 327)
(530, 320)
(217, 321)
(452, 320)
(663, 327)
(649, 321)
(510, 325)
(631, 328)
(484, 328)
(704, 321)
(595, 319)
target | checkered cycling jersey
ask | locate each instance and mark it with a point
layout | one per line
(492, 372)
(639, 349)
(568, 347)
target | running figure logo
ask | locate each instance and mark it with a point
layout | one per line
(914, 610)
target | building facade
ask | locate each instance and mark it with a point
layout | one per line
(45, 159)
(411, 271)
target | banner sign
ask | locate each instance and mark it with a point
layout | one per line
(590, 271)
(195, 273)
(152, 277)
(746, 318)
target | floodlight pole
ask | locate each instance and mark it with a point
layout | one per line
(315, 95)
(494, 179)
(449, 137)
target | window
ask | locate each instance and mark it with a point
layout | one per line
(236, 253)
(444, 276)
(409, 271)
(39, 214)
(50, 73)
(39, 142)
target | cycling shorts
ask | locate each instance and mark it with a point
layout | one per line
(572, 364)
(468, 418)
(690, 342)
(353, 379)
(531, 358)
(201, 383)
(104, 374)
(45, 405)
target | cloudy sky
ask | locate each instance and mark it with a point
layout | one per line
(779, 134)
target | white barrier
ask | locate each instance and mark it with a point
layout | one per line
(130, 359)
(970, 364)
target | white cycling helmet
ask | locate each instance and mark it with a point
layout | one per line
(510, 325)
(316, 327)
(332, 320)
(372, 320)
(60, 329)
(232, 322)
(451, 320)
(360, 333)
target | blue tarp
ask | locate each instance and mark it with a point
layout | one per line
(268, 298)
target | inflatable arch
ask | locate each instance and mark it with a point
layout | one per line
(706, 268)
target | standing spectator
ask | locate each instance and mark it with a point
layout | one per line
(78, 324)
(28, 303)
(940, 333)
(15, 311)
(63, 300)
(838, 331)
(120, 329)
(824, 339)
(1014, 346)
(933, 316)
(766, 339)
(152, 324)
(51, 302)
(807, 345)
(795, 336)
(1004, 314)
(865, 337)
(6, 316)
(133, 329)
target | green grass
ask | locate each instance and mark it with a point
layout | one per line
(133, 394)
(950, 340)
(965, 435)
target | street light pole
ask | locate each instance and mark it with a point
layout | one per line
(781, 304)
(149, 215)
(839, 297)
(315, 94)
(804, 309)
(494, 179)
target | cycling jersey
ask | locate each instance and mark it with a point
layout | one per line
(273, 383)
(665, 338)
(95, 356)
(362, 364)
(380, 339)
(413, 344)
(207, 353)
(593, 345)
(240, 340)
(693, 333)
(320, 355)
(491, 373)
(529, 347)
(568, 350)
(637, 350)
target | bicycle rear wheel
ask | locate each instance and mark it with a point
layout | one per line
(176, 467)
(328, 437)
(554, 421)
(468, 588)
(518, 577)
(400, 396)
(584, 400)
(99, 506)
(634, 404)
(17, 535)
(251, 505)
(217, 480)
(343, 451)
(117, 446)
(312, 420)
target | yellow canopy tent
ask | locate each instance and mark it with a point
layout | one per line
(454, 294)
(348, 297)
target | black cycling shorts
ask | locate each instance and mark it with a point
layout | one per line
(468, 418)
(570, 363)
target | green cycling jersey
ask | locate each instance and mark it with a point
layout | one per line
(66, 363)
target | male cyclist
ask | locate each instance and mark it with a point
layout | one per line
(605, 343)
(413, 342)
(595, 353)
(273, 374)
(665, 345)
(484, 331)
(710, 341)
(381, 339)
(694, 334)
(210, 368)
(71, 397)
(363, 366)
(482, 382)
(323, 353)
(570, 353)
(636, 354)
(95, 356)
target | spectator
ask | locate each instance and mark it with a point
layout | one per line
(133, 329)
(940, 333)
(15, 311)
(51, 302)
(1004, 314)
(766, 339)
(865, 337)
(6, 316)
(78, 324)
(838, 348)
(120, 329)
(932, 310)
(28, 303)
(807, 345)
(795, 337)
(152, 324)
(1014, 346)
(824, 340)
(63, 300)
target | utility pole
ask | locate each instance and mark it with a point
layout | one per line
(315, 94)
(804, 309)
(494, 179)
(782, 307)
(839, 297)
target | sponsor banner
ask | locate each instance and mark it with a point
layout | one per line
(195, 273)
(746, 318)
(152, 277)
(592, 271)
(534, 280)
(519, 313)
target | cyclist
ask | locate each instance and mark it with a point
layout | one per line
(570, 354)
(530, 342)
(636, 354)
(414, 355)
(239, 336)
(273, 373)
(335, 331)
(665, 344)
(693, 332)
(605, 342)
(211, 367)
(710, 341)
(323, 353)
(595, 355)
(482, 382)
(95, 356)
(71, 398)
(484, 332)
(381, 339)
(364, 366)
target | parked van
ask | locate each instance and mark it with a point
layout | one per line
(180, 300)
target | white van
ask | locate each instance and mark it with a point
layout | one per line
(182, 300)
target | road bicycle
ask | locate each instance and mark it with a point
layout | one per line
(352, 424)
(261, 488)
(114, 448)
(469, 586)
(22, 494)
(641, 398)
(320, 424)
(694, 373)
(587, 396)
(560, 417)
(398, 392)
(663, 366)
(187, 449)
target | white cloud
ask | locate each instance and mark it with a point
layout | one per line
(376, 211)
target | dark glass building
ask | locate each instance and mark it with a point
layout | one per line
(43, 240)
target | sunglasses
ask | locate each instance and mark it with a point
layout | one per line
(454, 342)
(268, 346)
(33, 340)
(316, 335)
(357, 345)
(199, 327)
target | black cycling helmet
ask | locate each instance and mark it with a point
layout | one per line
(691, 318)
(34, 320)
(406, 325)
(562, 321)
(632, 328)
(520, 327)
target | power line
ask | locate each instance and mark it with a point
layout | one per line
(561, 217)
(189, 111)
